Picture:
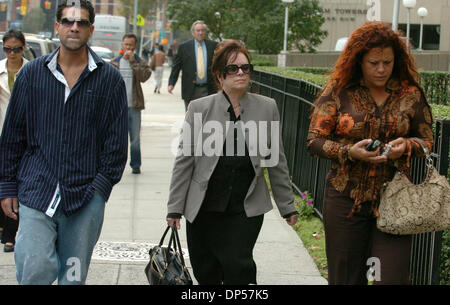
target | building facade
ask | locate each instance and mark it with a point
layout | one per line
(343, 16)
(107, 7)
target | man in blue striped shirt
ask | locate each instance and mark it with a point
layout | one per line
(63, 147)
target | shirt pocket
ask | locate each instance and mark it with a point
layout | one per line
(90, 108)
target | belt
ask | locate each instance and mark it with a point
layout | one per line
(201, 85)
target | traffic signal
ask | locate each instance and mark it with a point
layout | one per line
(23, 7)
(46, 5)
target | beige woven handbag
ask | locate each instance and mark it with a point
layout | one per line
(406, 208)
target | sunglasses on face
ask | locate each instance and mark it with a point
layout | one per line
(83, 23)
(13, 50)
(233, 69)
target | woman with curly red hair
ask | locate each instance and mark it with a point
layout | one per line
(372, 94)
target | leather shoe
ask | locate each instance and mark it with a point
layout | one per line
(136, 170)
(8, 248)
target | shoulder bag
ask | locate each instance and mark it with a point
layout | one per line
(406, 208)
(166, 265)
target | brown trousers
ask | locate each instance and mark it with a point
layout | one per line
(355, 244)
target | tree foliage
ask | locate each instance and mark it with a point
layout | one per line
(144, 8)
(260, 24)
(34, 21)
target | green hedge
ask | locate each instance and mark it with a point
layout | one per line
(261, 60)
(435, 84)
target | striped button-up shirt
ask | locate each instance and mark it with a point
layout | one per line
(64, 143)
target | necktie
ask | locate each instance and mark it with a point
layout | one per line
(200, 64)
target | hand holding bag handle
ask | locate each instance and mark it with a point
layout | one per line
(167, 265)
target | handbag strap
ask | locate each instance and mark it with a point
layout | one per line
(175, 239)
(178, 243)
(164, 236)
(429, 160)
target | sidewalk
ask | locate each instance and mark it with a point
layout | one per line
(135, 214)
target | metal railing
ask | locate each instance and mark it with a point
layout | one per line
(294, 98)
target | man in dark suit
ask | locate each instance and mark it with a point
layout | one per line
(194, 57)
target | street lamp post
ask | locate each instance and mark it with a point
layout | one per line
(282, 55)
(136, 3)
(422, 12)
(409, 4)
(395, 15)
(286, 16)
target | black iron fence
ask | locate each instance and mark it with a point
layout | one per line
(294, 98)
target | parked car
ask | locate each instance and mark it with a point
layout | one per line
(57, 41)
(104, 53)
(40, 45)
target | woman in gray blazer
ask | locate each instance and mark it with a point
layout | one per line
(218, 180)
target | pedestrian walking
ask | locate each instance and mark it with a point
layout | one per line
(170, 54)
(63, 147)
(13, 47)
(372, 94)
(224, 195)
(194, 58)
(156, 64)
(134, 71)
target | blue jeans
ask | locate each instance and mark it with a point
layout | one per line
(134, 128)
(59, 247)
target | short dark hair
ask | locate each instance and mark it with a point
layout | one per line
(130, 35)
(14, 33)
(226, 49)
(87, 5)
(161, 47)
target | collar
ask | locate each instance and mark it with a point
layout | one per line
(94, 61)
(4, 69)
(393, 84)
(199, 43)
(226, 103)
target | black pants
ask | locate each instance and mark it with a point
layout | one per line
(199, 91)
(10, 227)
(221, 248)
(351, 242)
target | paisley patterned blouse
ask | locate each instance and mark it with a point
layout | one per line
(340, 120)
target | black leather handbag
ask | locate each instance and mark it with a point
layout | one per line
(167, 266)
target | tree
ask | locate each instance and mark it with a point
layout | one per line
(260, 24)
(306, 35)
(144, 8)
(34, 20)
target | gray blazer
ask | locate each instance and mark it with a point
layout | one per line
(195, 163)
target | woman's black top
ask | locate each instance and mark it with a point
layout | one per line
(232, 176)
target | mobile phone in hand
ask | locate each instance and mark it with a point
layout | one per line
(372, 146)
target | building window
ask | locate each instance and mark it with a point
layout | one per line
(98, 6)
(431, 35)
(111, 7)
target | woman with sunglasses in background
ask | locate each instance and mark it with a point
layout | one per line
(221, 188)
(13, 47)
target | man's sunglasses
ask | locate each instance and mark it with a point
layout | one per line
(83, 23)
(233, 69)
(13, 50)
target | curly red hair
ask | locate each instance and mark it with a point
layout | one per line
(374, 34)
